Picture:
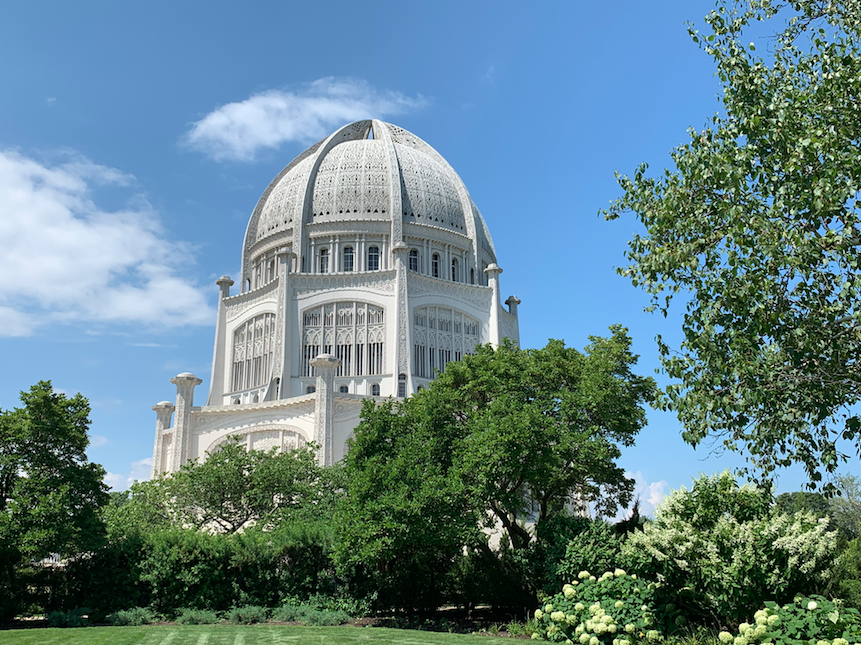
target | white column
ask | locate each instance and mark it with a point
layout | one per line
(324, 406)
(493, 272)
(163, 412)
(185, 384)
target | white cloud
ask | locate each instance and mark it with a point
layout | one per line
(97, 440)
(65, 259)
(489, 74)
(140, 471)
(51, 99)
(650, 494)
(238, 131)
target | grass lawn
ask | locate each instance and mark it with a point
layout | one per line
(234, 635)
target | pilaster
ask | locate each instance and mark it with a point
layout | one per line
(324, 406)
(185, 384)
(163, 412)
(403, 329)
(493, 272)
(284, 322)
(216, 381)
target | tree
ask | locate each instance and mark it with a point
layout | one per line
(233, 489)
(50, 494)
(758, 226)
(502, 438)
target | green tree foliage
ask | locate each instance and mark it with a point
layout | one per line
(758, 228)
(232, 489)
(503, 437)
(50, 494)
(721, 550)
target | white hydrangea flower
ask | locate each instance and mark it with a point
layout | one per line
(584, 638)
(742, 629)
(619, 604)
(739, 640)
(583, 575)
(773, 621)
(579, 606)
(811, 606)
(557, 616)
(840, 641)
(619, 573)
(607, 620)
(594, 641)
(630, 628)
(653, 635)
(538, 614)
(548, 608)
(725, 637)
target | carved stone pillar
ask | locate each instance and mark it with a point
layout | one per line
(222, 347)
(493, 272)
(324, 406)
(283, 366)
(185, 384)
(163, 412)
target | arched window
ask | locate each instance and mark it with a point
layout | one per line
(375, 389)
(455, 270)
(414, 260)
(347, 264)
(310, 389)
(402, 385)
(324, 260)
(435, 265)
(344, 389)
(373, 258)
(472, 276)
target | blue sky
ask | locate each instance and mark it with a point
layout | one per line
(136, 138)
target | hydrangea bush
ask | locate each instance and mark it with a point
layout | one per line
(721, 549)
(615, 609)
(805, 621)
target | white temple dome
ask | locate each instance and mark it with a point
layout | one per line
(366, 172)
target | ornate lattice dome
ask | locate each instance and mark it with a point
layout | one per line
(368, 171)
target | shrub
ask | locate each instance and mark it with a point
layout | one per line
(248, 615)
(614, 608)
(196, 617)
(131, 617)
(72, 618)
(354, 607)
(846, 583)
(805, 620)
(310, 616)
(721, 550)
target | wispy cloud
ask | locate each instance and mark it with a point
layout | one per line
(239, 131)
(139, 471)
(487, 77)
(649, 493)
(97, 440)
(51, 99)
(67, 260)
(152, 345)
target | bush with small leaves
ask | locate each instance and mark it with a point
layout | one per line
(248, 615)
(615, 609)
(308, 615)
(196, 617)
(73, 618)
(805, 621)
(131, 617)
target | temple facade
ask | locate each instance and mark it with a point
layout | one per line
(366, 268)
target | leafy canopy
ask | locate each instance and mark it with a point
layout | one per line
(758, 224)
(503, 437)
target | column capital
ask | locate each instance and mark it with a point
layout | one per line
(163, 405)
(324, 362)
(186, 378)
(400, 247)
(224, 283)
(493, 270)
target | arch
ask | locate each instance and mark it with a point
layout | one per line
(264, 437)
(435, 265)
(344, 389)
(324, 261)
(310, 389)
(402, 386)
(414, 260)
(375, 389)
(347, 259)
(455, 270)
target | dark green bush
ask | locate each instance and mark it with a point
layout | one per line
(196, 617)
(72, 618)
(189, 569)
(309, 615)
(131, 617)
(248, 615)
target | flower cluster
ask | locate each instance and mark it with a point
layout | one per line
(613, 609)
(806, 621)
